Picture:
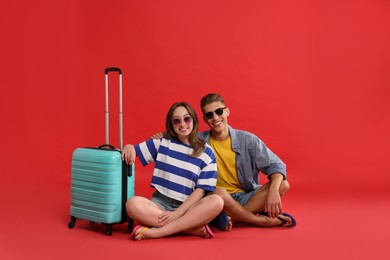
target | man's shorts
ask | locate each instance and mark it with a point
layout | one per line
(243, 197)
(164, 202)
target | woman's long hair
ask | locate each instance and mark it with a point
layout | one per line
(196, 143)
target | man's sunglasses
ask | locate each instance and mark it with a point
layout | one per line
(177, 121)
(218, 112)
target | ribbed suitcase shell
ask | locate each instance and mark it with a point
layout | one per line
(96, 185)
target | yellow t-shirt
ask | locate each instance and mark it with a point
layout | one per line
(227, 171)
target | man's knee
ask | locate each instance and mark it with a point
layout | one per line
(284, 187)
(223, 194)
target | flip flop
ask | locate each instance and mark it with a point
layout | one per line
(221, 221)
(133, 235)
(209, 231)
(293, 221)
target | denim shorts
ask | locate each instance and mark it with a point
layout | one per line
(164, 202)
(243, 197)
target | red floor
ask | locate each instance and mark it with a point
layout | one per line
(329, 227)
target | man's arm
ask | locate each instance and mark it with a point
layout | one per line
(158, 135)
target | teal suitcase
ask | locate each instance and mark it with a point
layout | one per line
(101, 182)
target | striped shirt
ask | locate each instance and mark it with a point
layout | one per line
(176, 174)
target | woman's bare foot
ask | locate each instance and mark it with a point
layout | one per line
(203, 231)
(138, 233)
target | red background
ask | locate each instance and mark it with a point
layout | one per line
(310, 78)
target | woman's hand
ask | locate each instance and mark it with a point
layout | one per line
(128, 154)
(168, 216)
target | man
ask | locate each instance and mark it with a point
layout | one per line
(240, 157)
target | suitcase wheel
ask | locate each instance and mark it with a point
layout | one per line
(72, 222)
(108, 229)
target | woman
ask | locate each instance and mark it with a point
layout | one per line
(185, 169)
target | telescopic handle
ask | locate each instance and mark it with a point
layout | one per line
(106, 70)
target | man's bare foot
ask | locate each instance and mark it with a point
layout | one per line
(222, 222)
(230, 224)
(283, 220)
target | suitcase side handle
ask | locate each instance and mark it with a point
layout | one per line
(106, 70)
(106, 146)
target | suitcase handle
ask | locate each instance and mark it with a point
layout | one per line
(113, 69)
(106, 70)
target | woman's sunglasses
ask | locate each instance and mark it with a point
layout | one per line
(177, 121)
(218, 111)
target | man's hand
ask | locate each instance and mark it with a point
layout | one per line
(158, 135)
(273, 204)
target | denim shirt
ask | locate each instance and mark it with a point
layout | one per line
(252, 157)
